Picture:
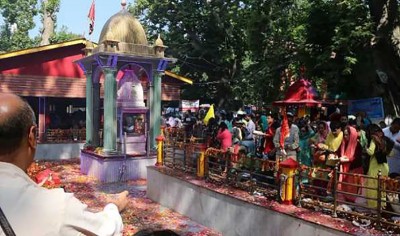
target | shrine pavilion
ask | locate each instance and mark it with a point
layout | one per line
(55, 87)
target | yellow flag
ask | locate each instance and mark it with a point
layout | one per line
(210, 113)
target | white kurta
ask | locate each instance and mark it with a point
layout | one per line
(33, 210)
(394, 159)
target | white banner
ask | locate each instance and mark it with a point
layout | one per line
(192, 105)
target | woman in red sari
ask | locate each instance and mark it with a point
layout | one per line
(351, 162)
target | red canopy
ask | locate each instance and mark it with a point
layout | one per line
(300, 92)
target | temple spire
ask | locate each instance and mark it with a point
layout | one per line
(123, 4)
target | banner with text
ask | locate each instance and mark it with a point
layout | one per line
(192, 105)
(373, 107)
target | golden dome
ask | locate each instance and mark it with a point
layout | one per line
(159, 42)
(124, 28)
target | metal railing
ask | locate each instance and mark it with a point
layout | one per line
(347, 195)
(233, 167)
(181, 152)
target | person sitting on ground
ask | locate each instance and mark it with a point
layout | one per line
(34, 210)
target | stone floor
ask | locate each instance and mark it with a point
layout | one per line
(141, 213)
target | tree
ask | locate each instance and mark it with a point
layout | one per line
(254, 49)
(63, 35)
(18, 20)
(207, 37)
(276, 38)
(338, 39)
(48, 12)
(386, 49)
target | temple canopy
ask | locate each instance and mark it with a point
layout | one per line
(126, 60)
(300, 92)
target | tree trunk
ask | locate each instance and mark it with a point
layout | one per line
(48, 25)
(386, 47)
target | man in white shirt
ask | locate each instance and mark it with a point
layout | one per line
(393, 133)
(291, 142)
(31, 209)
(248, 139)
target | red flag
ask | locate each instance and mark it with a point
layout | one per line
(91, 18)
(284, 129)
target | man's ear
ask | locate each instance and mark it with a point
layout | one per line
(32, 136)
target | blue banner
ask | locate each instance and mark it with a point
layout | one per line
(373, 107)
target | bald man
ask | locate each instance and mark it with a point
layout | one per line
(29, 208)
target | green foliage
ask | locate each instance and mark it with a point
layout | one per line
(63, 35)
(338, 35)
(249, 50)
(206, 37)
(276, 39)
(252, 50)
(18, 20)
(51, 6)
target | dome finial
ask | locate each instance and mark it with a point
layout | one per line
(159, 42)
(123, 4)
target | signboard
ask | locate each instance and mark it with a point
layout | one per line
(192, 105)
(373, 107)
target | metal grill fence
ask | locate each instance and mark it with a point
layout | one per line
(326, 189)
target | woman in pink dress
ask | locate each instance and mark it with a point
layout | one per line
(350, 158)
(224, 136)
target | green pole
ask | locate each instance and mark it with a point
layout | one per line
(156, 109)
(89, 108)
(96, 114)
(110, 111)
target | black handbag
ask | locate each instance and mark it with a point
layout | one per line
(5, 225)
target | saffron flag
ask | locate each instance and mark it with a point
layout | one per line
(284, 129)
(210, 113)
(91, 18)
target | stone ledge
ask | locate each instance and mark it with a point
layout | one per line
(58, 151)
(109, 170)
(233, 216)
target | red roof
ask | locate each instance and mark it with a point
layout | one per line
(300, 92)
(50, 71)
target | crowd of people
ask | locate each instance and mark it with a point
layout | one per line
(353, 143)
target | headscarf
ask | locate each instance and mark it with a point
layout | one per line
(348, 147)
